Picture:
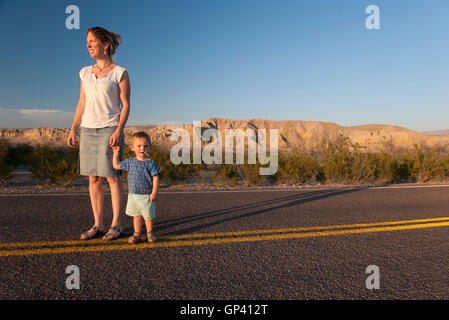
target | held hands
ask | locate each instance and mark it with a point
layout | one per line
(115, 149)
(115, 138)
(115, 157)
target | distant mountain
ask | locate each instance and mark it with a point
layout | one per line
(437, 132)
(293, 134)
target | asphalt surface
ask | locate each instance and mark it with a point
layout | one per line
(234, 245)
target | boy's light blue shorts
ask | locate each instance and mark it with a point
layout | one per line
(139, 205)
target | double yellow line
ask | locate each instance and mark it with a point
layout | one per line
(53, 247)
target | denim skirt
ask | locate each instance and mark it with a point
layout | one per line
(96, 154)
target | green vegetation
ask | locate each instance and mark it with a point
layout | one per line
(20, 155)
(250, 173)
(4, 156)
(226, 174)
(339, 162)
(54, 165)
(299, 168)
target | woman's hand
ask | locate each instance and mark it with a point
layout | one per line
(71, 140)
(116, 138)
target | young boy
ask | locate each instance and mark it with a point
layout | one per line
(143, 182)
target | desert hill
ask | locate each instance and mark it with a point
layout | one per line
(293, 134)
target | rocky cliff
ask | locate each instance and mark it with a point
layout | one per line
(293, 134)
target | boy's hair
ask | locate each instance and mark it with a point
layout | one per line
(141, 134)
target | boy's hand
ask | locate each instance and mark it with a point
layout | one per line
(116, 149)
(152, 197)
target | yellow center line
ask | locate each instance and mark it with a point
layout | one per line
(220, 240)
(283, 230)
(218, 234)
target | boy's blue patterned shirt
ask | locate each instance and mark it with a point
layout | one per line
(140, 175)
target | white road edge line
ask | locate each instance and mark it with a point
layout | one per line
(235, 191)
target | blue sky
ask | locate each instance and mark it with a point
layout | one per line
(273, 59)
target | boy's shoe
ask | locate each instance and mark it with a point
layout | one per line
(151, 237)
(136, 238)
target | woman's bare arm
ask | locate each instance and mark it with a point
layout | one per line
(71, 140)
(125, 93)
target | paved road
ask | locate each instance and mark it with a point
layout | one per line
(304, 244)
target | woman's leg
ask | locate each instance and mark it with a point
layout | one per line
(116, 188)
(96, 199)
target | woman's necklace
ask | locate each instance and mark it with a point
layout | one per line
(101, 69)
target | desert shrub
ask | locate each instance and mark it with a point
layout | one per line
(364, 167)
(55, 165)
(406, 168)
(226, 174)
(338, 161)
(445, 165)
(20, 155)
(346, 162)
(251, 173)
(5, 169)
(387, 168)
(299, 168)
(174, 172)
(425, 164)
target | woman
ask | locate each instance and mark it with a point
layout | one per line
(104, 86)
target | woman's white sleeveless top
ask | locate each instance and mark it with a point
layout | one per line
(102, 107)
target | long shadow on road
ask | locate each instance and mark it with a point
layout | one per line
(293, 200)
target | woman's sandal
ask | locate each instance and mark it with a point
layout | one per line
(151, 237)
(91, 233)
(136, 238)
(113, 233)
